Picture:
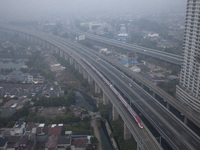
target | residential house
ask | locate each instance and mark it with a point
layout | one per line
(3, 143)
(42, 133)
(18, 129)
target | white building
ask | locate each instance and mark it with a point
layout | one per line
(18, 128)
(30, 79)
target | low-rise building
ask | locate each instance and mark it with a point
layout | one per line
(13, 142)
(3, 143)
(18, 128)
(23, 137)
(79, 144)
(42, 133)
(63, 142)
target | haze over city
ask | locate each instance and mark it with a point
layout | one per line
(99, 74)
(30, 9)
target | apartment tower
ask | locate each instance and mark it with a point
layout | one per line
(188, 91)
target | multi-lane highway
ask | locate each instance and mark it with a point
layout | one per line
(175, 59)
(176, 133)
(170, 127)
(172, 58)
(144, 138)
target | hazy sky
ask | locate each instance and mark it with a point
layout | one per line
(39, 8)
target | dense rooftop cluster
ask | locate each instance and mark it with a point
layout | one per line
(31, 135)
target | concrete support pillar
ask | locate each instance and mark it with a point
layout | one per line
(97, 88)
(80, 69)
(71, 60)
(61, 53)
(185, 120)
(168, 106)
(138, 148)
(105, 99)
(115, 114)
(84, 74)
(57, 51)
(66, 56)
(76, 65)
(52, 48)
(127, 133)
(90, 80)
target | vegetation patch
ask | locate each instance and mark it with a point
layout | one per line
(118, 133)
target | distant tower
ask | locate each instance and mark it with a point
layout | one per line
(188, 91)
(122, 36)
(123, 30)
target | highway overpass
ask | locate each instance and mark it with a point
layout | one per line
(183, 110)
(128, 91)
(172, 58)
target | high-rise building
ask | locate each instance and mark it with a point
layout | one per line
(188, 91)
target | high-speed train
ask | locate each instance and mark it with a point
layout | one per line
(135, 116)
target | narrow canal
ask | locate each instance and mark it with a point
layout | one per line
(84, 101)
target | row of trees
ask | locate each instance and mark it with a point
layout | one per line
(65, 118)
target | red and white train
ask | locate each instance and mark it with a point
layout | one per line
(135, 116)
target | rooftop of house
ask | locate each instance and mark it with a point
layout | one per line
(13, 145)
(42, 130)
(56, 130)
(3, 141)
(64, 140)
(30, 126)
(10, 102)
(24, 140)
(52, 142)
(80, 142)
(29, 146)
(5, 132)
(14, 139)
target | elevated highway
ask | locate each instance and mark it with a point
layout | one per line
(182, 108)
(144, 138)
(128, 91)
(168, 126)
(172, 58)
